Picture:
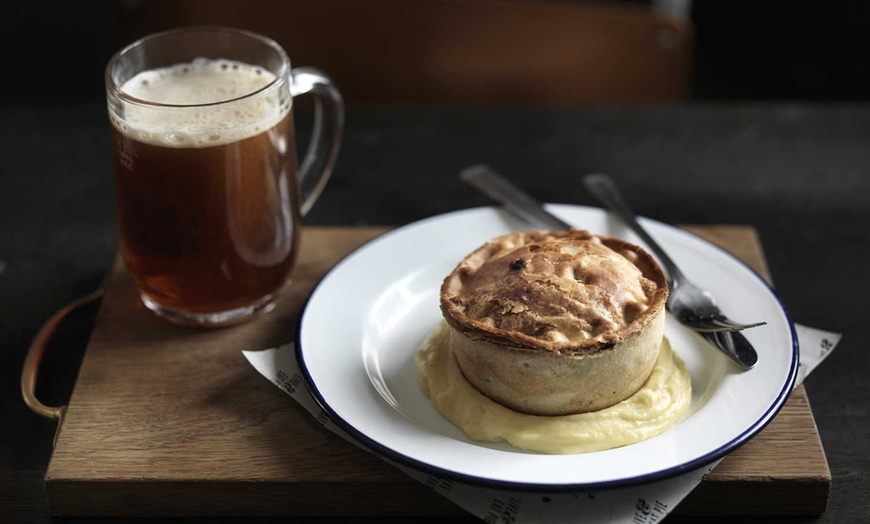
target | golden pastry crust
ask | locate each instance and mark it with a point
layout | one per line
(566, 292)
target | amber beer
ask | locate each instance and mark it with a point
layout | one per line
(206, 187)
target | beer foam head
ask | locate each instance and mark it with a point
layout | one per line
(189, 88)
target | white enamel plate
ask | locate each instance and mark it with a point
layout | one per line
(364, 321)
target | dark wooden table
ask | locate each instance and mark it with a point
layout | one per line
(798, 173)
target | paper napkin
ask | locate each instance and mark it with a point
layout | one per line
(644, 504)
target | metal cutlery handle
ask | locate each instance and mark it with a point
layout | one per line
(493, 185)
(496, 187)
(603, 188)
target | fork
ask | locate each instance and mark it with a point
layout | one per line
(488, 182)
(691, 305)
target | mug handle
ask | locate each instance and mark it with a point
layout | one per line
(322, 152)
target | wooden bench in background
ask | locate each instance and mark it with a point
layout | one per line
(460, 52)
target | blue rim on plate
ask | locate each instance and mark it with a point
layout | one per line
(391, 454)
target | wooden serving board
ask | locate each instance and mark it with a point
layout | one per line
(170, 421)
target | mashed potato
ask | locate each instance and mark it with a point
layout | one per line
(659, 404)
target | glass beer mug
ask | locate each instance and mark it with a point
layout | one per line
(209, 192)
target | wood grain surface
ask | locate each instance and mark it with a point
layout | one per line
(167, 420)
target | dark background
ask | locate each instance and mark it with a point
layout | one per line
(775, 134)
(744, 50)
